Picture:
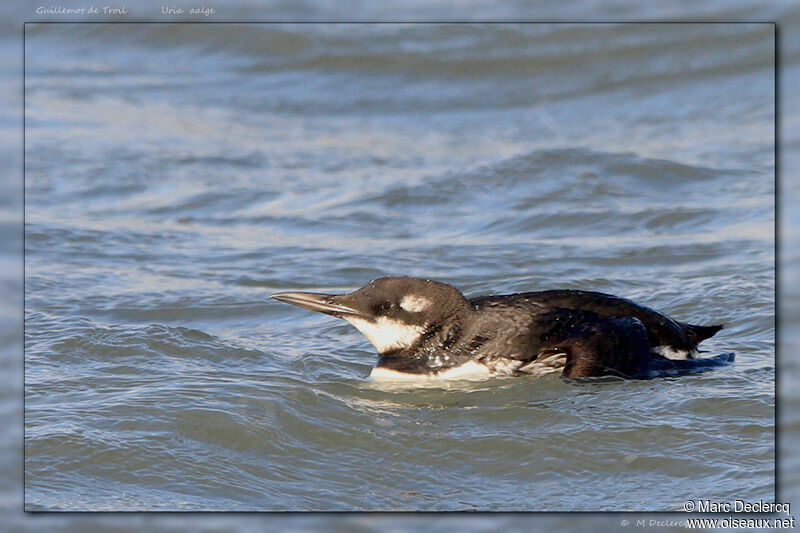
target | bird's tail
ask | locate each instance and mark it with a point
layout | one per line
(702, 333)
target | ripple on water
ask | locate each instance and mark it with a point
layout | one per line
(160, 376)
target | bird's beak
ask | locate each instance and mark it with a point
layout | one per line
(324, 303)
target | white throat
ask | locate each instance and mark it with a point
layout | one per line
(386, 334)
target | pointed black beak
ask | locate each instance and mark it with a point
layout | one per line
(324, 303)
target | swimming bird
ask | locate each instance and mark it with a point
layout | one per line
(425, 329)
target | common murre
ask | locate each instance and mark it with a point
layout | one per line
(424, 329)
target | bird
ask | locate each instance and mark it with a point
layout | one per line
(428, 330)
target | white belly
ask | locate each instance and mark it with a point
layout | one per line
(468, 371)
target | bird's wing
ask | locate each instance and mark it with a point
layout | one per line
(608, 347)
(661, 329)
(620, 347)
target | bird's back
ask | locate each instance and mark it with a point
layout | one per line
(663, 332)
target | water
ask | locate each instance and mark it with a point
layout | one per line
(178, 175)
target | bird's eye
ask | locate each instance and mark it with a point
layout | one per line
(385, 306)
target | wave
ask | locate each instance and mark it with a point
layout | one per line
(537, 60)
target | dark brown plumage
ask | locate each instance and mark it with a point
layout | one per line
(424, 327)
